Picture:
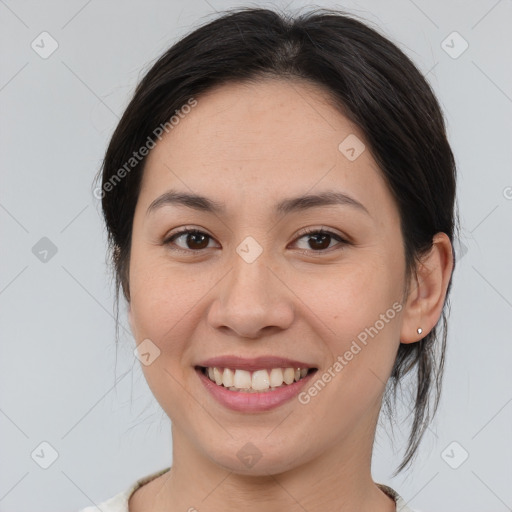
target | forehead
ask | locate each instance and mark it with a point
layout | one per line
(268, 119)
(264, 140)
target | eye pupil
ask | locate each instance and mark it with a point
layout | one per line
(324, 237)
(195, 237)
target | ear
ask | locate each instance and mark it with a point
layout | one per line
(427, 290)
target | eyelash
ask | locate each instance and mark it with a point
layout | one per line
(305, 232)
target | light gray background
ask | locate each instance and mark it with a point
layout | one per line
(58, 369)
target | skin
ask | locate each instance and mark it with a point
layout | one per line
(250, 146)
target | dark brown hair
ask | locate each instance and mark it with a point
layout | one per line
(373, 83)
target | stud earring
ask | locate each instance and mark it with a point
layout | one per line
(419, 330)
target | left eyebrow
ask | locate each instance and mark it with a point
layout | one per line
(293, 204)
(327, 198)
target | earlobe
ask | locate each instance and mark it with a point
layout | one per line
(427, 290)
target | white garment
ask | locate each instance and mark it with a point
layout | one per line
(119, 502)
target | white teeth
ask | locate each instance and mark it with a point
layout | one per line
(242, 379)
(259, 380)
(218, 376)
(289, 375)
(276, 377)
(228, 377)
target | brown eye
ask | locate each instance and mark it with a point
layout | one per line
(194, 240)
(320, 240)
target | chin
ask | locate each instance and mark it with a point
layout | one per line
(253, 458)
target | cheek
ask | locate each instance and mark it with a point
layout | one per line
(167, 303)
(161, 299)
(360, 309)
(164, 307)
(352, 298)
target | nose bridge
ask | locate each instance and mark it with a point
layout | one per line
(251, 279)
(251, 275)
(252, 298)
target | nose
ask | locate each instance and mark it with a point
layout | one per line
(252, 301)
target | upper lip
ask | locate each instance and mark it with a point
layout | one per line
(254, 363)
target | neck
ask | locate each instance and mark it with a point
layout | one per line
(336, 481)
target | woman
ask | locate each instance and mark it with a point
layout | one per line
(279, 197)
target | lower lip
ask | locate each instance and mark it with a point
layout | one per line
(253, 402)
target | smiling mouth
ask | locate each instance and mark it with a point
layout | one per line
(258, 381)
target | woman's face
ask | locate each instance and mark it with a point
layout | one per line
(252, 284)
